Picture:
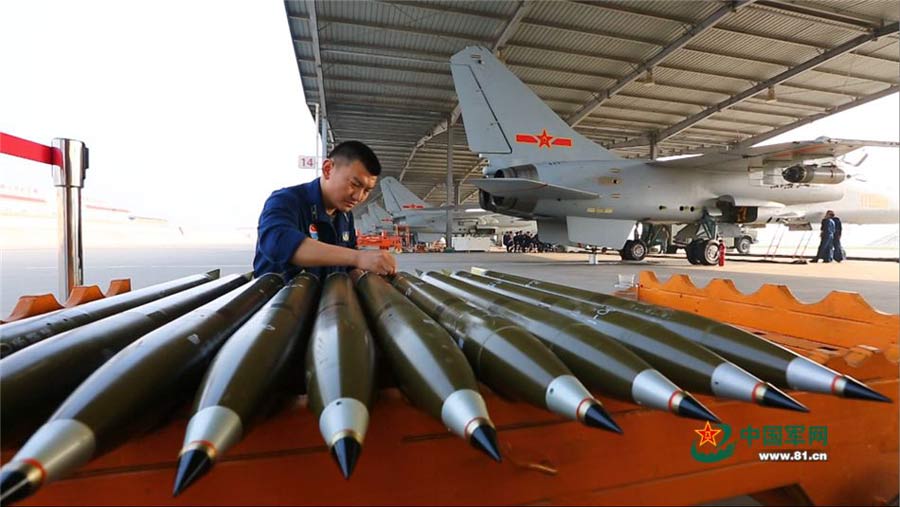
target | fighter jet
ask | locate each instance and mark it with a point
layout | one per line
(406, 208)
(583, 194)
(374, 220)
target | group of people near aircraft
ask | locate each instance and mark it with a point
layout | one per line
(830, 248)
(523, 242)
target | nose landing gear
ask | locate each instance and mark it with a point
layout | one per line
(634, 250)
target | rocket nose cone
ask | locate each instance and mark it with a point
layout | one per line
(345, 452)
(14, 486)
(689, 407)
(857, 390)
(192, 465)
(597, 417)
(773, 397)
(484, 438)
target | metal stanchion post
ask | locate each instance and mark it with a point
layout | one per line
(68, 177)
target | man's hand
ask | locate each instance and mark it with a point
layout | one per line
(376, 261)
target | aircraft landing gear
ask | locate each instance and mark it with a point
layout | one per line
(634, 250)
(703, 251)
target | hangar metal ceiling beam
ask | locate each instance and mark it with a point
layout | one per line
(320, 82)
(823, 12)
(594, 75)
(621, 7)
(780, 78)
(809, 119)
(505, 34)
(436, 57)
(695, 31)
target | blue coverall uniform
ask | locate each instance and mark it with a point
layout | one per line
(826, 246)
(291, 215)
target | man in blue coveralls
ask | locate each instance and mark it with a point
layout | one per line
(310, 226)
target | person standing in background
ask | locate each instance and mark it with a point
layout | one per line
(838, 229)
(826, 239)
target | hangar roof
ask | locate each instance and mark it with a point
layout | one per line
(682, 75)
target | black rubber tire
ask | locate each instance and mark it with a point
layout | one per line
(708, 252)
(637, 251)
(691, 251)
(625, 252)
(742, 245)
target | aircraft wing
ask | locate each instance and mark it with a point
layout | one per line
(791, 152)
(521, 187)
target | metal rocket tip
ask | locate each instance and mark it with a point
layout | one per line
(14, 486)
(597, 417)
(346, 452)
(774, 397)
(484, 438)
(192, 465)
(689, 407)
(857, 390)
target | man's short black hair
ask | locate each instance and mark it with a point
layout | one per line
(355, 151)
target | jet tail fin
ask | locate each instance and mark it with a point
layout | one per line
(380, 216)
(506, 122)
(398, 199)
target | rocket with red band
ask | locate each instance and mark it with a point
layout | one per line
(340, 371)
(769, 361)
(150, 376)
(507, 357)
(690, 365)
(429, 368)
(243, 375)
(600, 362)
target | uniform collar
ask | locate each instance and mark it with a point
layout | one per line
(317, 205)
(314, 198)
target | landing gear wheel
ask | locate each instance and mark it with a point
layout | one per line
(635, 249)
(742, 245)
(708, 253)
(625, 252)
(692, 251)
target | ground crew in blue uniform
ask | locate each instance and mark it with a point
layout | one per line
(838, 231)
(310, 227)
(826, 239)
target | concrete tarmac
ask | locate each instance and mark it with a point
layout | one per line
(25, 272)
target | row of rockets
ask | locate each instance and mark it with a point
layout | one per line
(83, 380)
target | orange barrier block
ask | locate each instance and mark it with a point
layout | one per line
(118, 286)
(82, 294)
(841, 318)
(29, 306)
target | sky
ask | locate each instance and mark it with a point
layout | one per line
(194, 110)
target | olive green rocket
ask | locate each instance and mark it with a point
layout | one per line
(597, 360)
(690, 365)
(429, 369)
(761, 357)
(35, 380)
(19, 334)
(129, 393)
(244, 373)
(340, 371)
(506, 357)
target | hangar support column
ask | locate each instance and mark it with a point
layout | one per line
(450, 200)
